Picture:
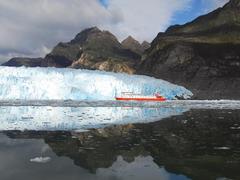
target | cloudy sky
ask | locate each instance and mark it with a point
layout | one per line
(33, 27)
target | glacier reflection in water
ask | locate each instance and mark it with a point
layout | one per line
(78, 118)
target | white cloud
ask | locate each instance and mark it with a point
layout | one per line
(144, 19)
(29, 27)
(33, 27)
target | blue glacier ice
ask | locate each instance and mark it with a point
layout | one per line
(64, 84)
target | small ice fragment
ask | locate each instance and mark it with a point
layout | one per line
(41, 160)
(222, 148)
(235, 128)
(184, 121)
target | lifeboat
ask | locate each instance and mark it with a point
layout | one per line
(129, 96)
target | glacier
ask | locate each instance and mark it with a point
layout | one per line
(71, 84)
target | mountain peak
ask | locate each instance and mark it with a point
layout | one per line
(130, 38)
(145, 45)
(130, 41)
(92, 29)
(83, 35)
(133, 44)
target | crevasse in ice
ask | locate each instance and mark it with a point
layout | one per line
(62, 84)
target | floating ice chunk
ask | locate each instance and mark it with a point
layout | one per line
(41, 160)
(63, 84)
(222, 148)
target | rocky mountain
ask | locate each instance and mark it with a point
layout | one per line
(90, 49)
(203, 55)
(145, 45)
(134, 45)
(93, 49)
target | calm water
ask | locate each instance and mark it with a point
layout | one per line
(119, 143)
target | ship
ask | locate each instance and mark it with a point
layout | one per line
(130, 96)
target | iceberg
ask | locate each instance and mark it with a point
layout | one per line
(71, 84)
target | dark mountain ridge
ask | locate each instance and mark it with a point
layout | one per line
(24, 61)
(203, 55)
(90, 49)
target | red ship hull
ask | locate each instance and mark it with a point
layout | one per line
(140, 99)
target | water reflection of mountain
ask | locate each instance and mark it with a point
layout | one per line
(200, 144)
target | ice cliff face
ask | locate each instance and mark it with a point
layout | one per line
(63, 84)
